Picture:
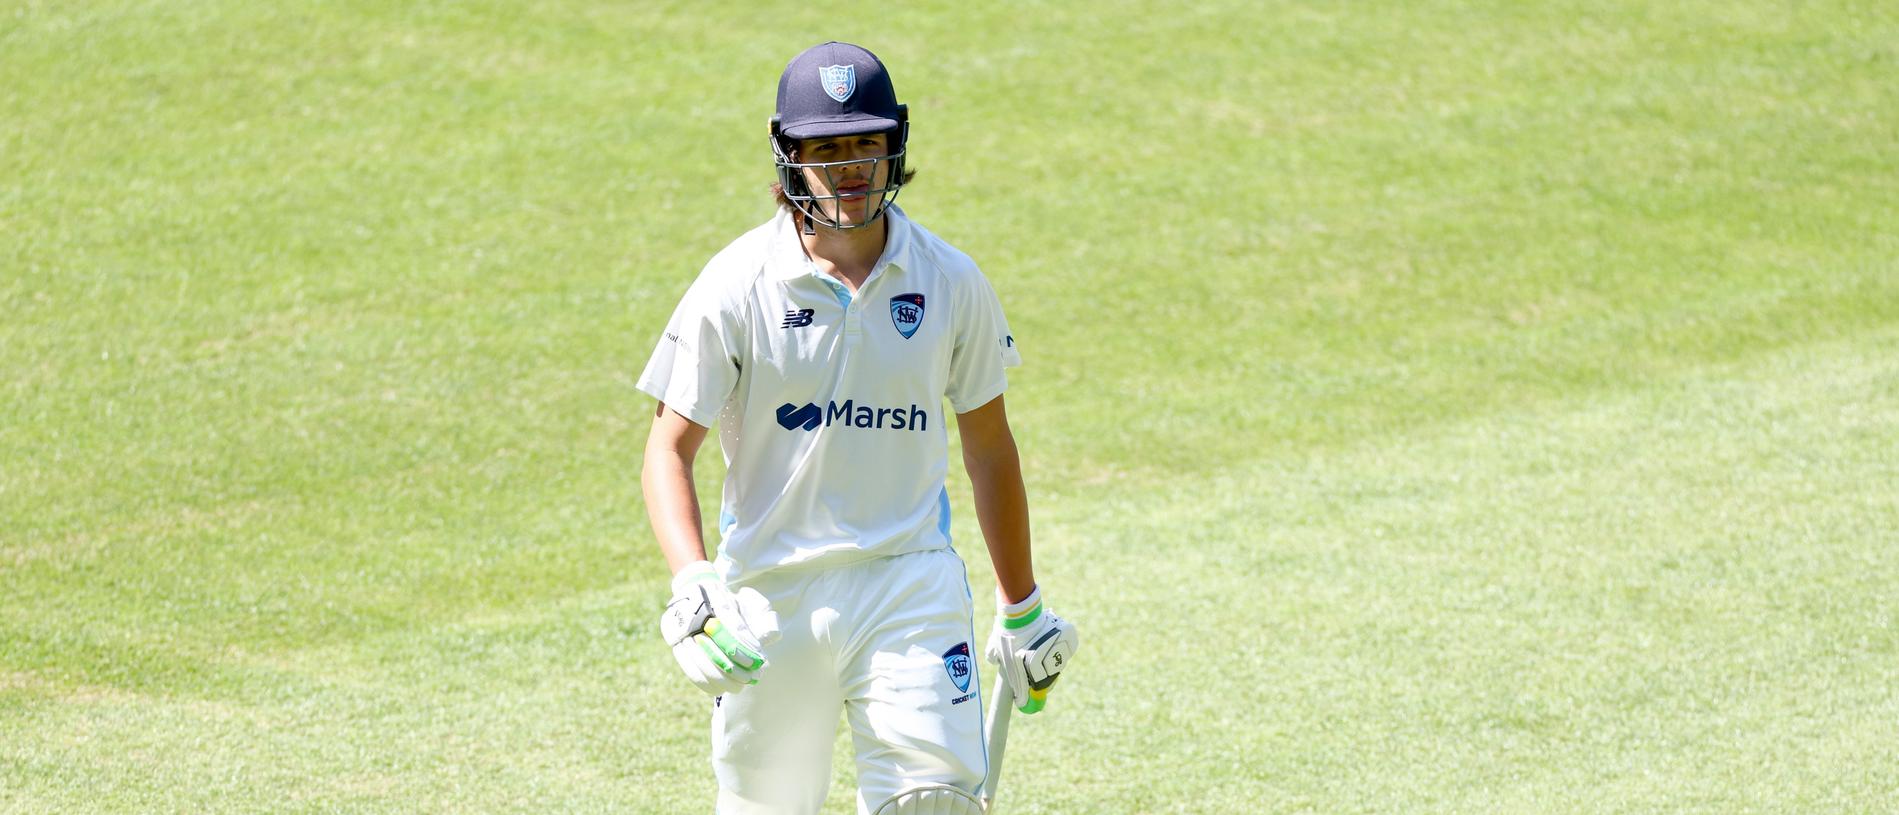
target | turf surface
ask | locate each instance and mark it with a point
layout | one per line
(1430, 407)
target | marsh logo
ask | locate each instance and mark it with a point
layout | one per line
(850, 414)
(956, 663)
(792, 417)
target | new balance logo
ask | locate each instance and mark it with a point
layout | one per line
(797, 318)
(850, 414)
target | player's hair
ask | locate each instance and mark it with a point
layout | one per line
(778, 191)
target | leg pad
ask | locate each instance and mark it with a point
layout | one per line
(934, 799)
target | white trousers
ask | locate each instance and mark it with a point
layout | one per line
(889, 642)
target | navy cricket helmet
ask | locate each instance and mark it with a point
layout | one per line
(836, 89)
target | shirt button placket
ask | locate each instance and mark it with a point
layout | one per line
(853, 319)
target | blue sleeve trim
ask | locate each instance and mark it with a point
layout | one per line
(943, 514)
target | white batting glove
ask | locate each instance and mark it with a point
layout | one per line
(1031, 646)
(718, 636)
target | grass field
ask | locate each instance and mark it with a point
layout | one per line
(1437, 407)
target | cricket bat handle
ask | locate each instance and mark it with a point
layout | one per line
(995, 731)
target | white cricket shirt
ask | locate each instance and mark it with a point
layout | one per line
(830, 405)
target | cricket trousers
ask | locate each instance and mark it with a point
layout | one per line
(887, 642)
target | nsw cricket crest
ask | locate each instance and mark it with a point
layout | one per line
(840, 81)
(906, 310)
(956, 662)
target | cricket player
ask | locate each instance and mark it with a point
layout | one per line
(826, 344)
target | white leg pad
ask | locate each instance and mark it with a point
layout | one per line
(935, 799)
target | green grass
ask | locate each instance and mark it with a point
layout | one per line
(1430, 407)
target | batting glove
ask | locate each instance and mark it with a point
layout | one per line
(718, 636)
(1031, 646)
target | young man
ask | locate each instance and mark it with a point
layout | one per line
(824, 344)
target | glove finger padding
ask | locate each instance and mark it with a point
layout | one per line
(717, 637)
(695, 658)
(756, 620)
(998, 652)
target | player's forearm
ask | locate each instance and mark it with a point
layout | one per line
(672, 506)
(1002, 509)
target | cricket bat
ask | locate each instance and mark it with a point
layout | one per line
(996, 735)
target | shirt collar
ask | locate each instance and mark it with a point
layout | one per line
(789, 261)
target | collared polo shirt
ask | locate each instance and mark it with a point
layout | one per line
(830, 406)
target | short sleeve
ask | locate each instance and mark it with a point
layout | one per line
(984, 347)
(696, 365)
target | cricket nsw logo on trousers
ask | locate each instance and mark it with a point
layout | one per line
(956, 662)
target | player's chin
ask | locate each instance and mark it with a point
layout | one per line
(856, 209)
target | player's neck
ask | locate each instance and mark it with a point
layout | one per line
(847, 254)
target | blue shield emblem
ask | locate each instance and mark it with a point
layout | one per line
(956, 662)
(840, 81)
(906, 310)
